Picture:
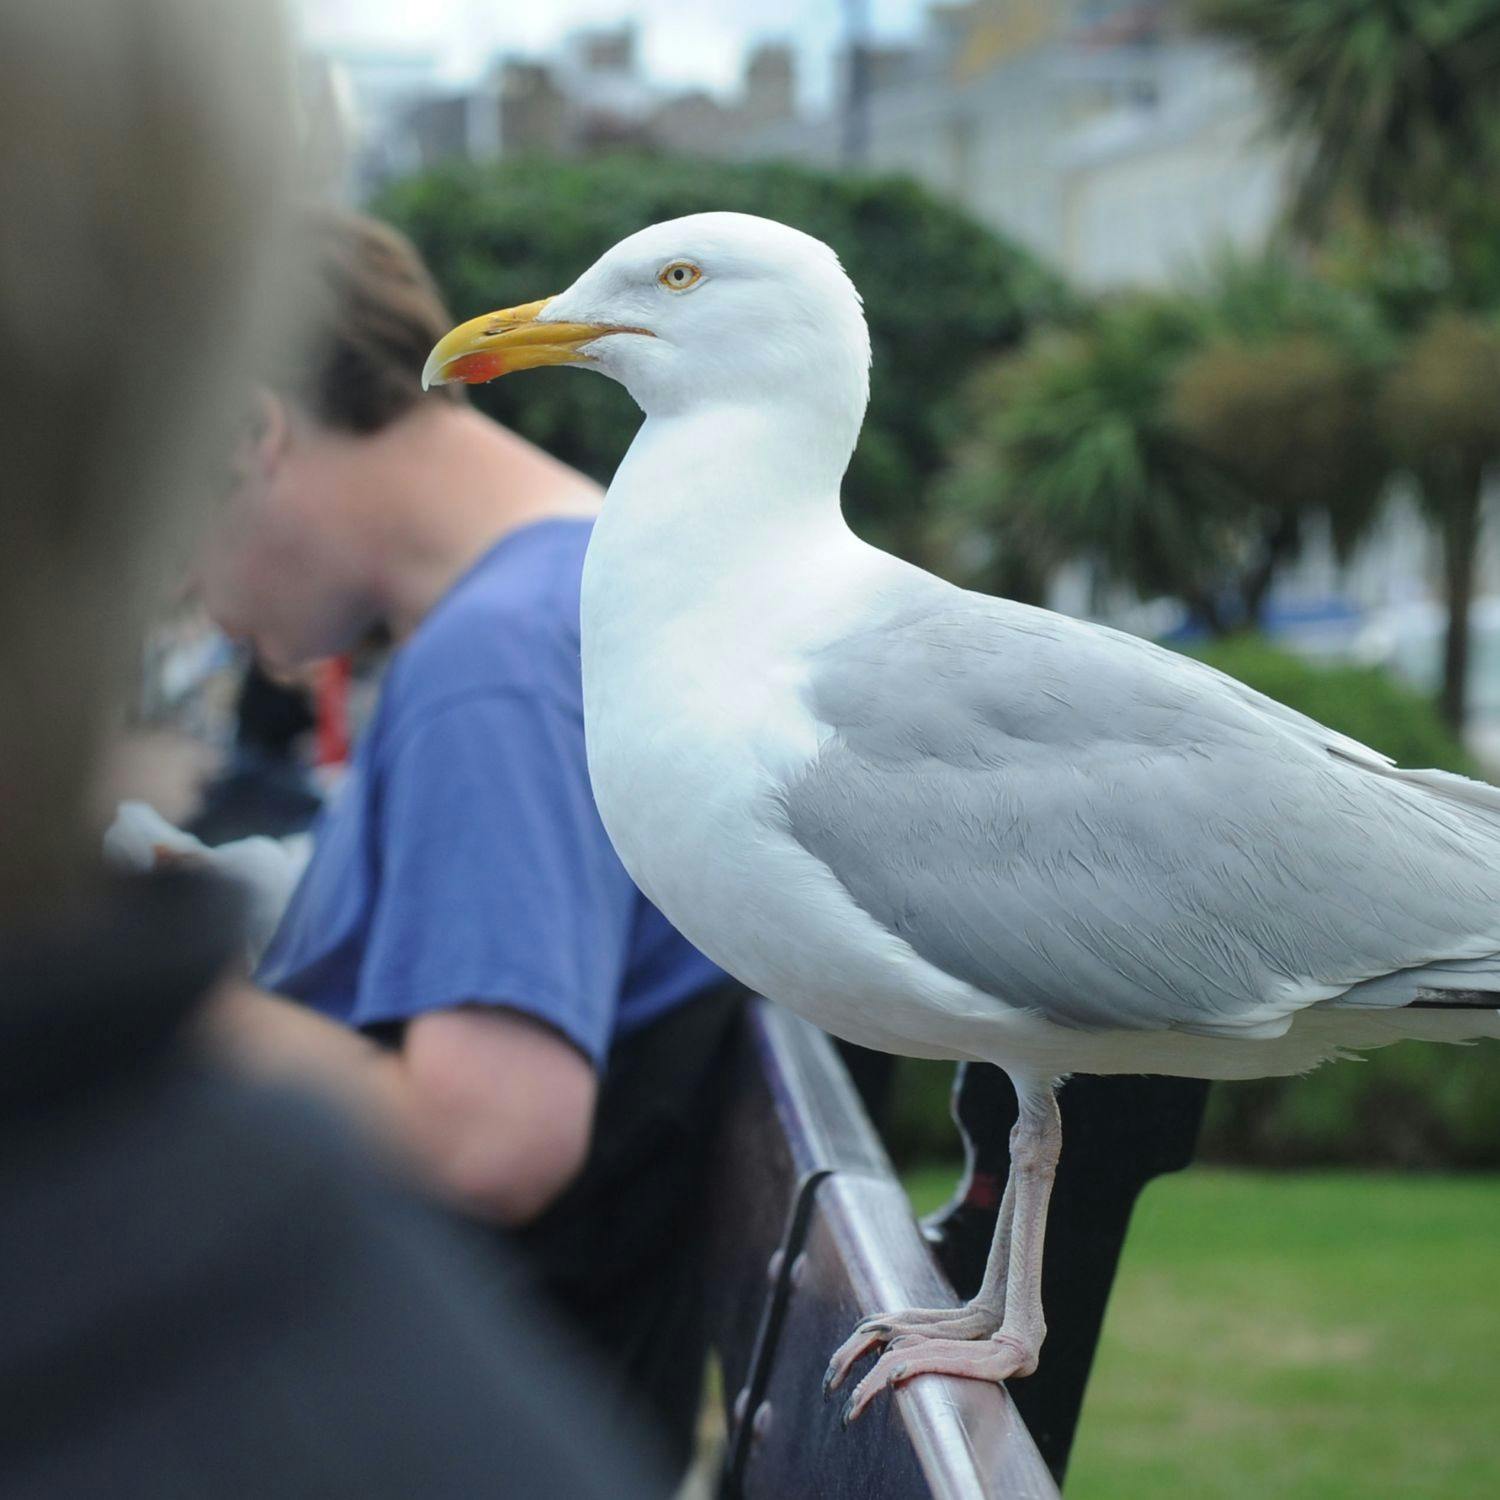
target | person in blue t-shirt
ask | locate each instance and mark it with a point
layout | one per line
(473, 970)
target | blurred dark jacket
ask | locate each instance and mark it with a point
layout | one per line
(264, 788)
(207, 1292)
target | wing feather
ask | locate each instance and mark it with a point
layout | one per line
(1087, 826)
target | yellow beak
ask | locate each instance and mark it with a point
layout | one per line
(499, 343)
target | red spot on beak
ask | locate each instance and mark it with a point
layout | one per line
(475, 369)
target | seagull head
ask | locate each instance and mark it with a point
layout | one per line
(705, 310)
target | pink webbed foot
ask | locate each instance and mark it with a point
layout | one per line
(955, 1323)
(997, 1358)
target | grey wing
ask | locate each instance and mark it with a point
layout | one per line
(1085, 825)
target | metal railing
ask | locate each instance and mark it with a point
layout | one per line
(810, 1231)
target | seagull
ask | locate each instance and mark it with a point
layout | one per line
(948, 825)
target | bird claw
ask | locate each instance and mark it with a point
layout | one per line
(996, 1358)
(849, 1353)
(941, 1323)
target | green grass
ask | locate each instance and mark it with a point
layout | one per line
(1325, 1335)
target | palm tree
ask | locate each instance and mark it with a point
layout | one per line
(1073, 455)
(1180, 443)
(1392, 101)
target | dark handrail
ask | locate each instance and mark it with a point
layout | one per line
(810, 1232)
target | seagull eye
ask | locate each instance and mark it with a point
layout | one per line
(680, 275)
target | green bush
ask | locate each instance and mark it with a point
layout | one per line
(920, 1128)
(941, 292)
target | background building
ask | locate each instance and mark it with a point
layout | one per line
(1107, 136)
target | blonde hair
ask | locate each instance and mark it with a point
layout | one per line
(143, 176)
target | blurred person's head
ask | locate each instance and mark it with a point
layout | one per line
(141, 167)
(283, 564)
(354, 493)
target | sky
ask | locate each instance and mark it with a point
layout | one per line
(682, 42)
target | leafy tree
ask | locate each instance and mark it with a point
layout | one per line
(1280, 396)
(1396, 116)
(1181, 442)
(1441, 299)
(941, 292)
(1074, 455)
(1442, 406)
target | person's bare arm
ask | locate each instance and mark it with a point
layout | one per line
(490, 1109)
(505, 1107)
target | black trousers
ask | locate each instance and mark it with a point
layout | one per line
(620, 1253)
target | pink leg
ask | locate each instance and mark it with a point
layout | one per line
(1003, 1326)
(977, 1319)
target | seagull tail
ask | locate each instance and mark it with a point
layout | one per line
(1331, 1030)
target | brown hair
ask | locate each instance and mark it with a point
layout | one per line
(378, 314)
(145, 177)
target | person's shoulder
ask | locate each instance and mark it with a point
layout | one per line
(510, 624)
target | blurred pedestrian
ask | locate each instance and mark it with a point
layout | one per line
(207, 1290)
(476, 972)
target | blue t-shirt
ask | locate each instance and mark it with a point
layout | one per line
(462, 860)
